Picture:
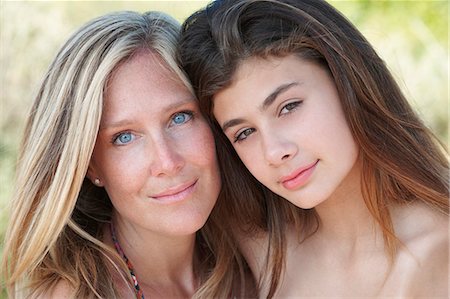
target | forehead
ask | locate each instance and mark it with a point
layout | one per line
(272, 70)
(263, 73)
(247, 67)
(144, 64)
(142, 81)
(259, 80)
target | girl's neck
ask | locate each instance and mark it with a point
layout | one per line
(344, 216)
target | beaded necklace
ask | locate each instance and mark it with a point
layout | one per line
(138, 290)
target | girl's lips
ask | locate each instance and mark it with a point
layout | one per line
(176, 193)
(298, 177)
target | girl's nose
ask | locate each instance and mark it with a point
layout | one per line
(278, 150)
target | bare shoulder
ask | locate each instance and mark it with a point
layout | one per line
(425, 234)
(62, 290)
(418, 223)
(253, 245)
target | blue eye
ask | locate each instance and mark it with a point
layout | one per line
(244, 134)
(290, 107)
(123, 138)
(181, 117)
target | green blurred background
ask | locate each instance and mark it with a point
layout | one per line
(412, 37)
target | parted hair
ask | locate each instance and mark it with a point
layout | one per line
(402, 161)
(57, 215)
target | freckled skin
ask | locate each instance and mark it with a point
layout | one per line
(158, 150)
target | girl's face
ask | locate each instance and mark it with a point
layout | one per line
(154, 153)
(285, 121)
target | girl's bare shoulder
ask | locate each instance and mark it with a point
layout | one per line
(419, 225)
(253, 244)
(424, 232)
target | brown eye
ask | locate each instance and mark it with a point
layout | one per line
(290, 106)
(244, 134)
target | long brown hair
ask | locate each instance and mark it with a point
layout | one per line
(402, 160)
(57, 217)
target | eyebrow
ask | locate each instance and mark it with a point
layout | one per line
(267, 102)
(126, 122)
(116, 124)
(232, 123)
(272, 97)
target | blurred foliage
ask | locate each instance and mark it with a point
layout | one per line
(412, 37)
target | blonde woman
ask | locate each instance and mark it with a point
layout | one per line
(117, 176)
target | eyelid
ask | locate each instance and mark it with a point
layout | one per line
(240, 132)
(297, 103)
(190, 113)
(116, 136)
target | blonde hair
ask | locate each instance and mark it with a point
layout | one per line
(57, 215)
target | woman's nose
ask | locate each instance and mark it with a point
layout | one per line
(166, 158)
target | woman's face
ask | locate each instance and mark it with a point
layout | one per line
(285, 121)
(154, 153)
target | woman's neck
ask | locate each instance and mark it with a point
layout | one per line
(159, 261)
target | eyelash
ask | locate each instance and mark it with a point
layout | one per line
(116, 137)
(295, 105)
(292, 105)
(190, 115)
(238, 139)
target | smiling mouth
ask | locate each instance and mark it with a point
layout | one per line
(176, 193)
(299, 177)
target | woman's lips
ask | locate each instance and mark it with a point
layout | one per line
(176, 193)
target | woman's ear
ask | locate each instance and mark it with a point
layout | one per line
(93, 176)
